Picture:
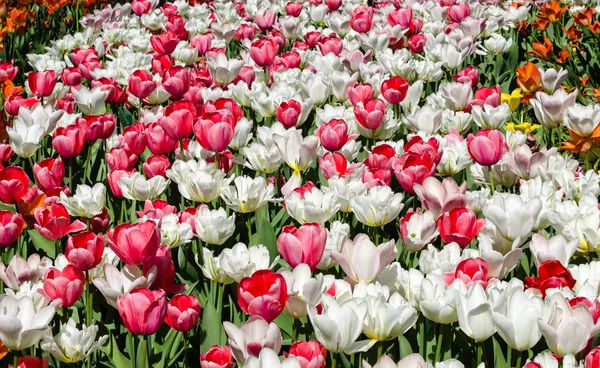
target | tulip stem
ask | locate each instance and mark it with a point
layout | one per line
(57, 246)
(509, 356)
(145, 355)
(15, 359)
(88, 300)
(492, 189)
(440, 342)
(379, 349)
(295, 330)
(70, 163)
(519, 355)
(185, 351)
(132, 347)
(333, 360)
(479, 353)
(422, 345)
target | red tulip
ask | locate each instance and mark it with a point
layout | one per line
(116, 94)
(49, 173)
(305, 244)
(42, 83)
(334, 134)
(394, 90)
(217, 357)
(164, 43)
(288, 113)
(71, 76)
(468, 75)
(416, 43)
(176, 81)
(381, 157)
(5, 152)
(228, 105)
(333, 5)
(13, 104)
(362, 19)
(485, 96)
(312, 38)
(158, 141)
(401, 17)
(592, 359)
(54, 222)
(309, 354)
(143, 311)
(100, 126)
(360, 92)
(263, 52)
(183, 312)
(214, 130)
(156, 166)
(11, 227)
(459, 225)
(263, 294)
(135, 243)
(32, 362)
(69, 142)
(140, 7)
(133, 140)
(84, 250)
(178, 120)
(163, 261)
(470, 271)
(66, 285)
(371, 114)
(99, 223)
(458, 12)
(418, 162)
(162, 63)
(330, 44)
(7, 72)
(119, 159)
(14, 184)
(141, 84)
(246, 32)
(335, 164)
(538, 365)
(486, 147)
(552, 274)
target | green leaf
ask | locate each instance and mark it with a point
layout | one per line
(111, 350)
(39, 242)
(265, 233)
(212, 328)
(285, 323)
(499, 359)
(405, 348)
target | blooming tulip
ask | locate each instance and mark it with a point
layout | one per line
(141, 84)
(143, 311)
(178, 120)
(552, 274)
(134, 139)
(49, 173)
(183, 312)
(417, 230)
(87, 201)
(54, 222)
(217, 357)
(394, 90)
(474, 313)
(22, 325)
(11, 227)
(470, 271)
(334, 135)
(14, 184)
(288, 113)
(459, 225)
(252, 337)
(263, 52)
(66, 285)
(214, 130)
(214, 226)
(248, 194)
(310, 354)
(305, 244)
(114, 283)
(362, 19)
(176, 81)
(134, 244)
(263, 294)
(42, 83)
(85, 250)
(370, 114)
(20, 270)
(156, 166)
(69, 141)
(72, 345)
(486, 147)
(440, 197)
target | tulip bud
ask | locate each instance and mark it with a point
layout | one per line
(183, 312)
(66, 285)
(143, 311)
(263, 294)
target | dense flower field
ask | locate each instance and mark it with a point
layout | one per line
(321, 183)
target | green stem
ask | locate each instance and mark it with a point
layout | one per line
(423, 344)
(440, 342)
(379, 349)
(519, 356)
(185, 351)
(88, 299)
(132, 347)
(70, 163)
(145, 353)
(491, 180)
(295, 330)
(479, 352)
(58, 247)
(333, 360)
(249, 226)
(221, 291)
(509, 357)
(15, 359)
(217, 160)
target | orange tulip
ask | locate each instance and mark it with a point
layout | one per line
(529, 78)
(3, 350)
(584, 17)
(27, 209)
(573, 34)
(581, 144)
(544, 50)
(595, 27)
(563, 55)
(553, 12)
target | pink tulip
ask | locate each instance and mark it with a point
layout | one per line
(468, 75)
(119, 159)
(458, 12)
(309, 354)
(85, 250)
(178, 119)
(263, 294)
(330, 44)
(135, 243)
(71, 76)
(371, 114)
(335, 164)
(163, 262)
(141, 84)
(470, 271)
(14, 184)
(217, 357)
(418, 162)
(176, 81)
(214, 130)
(486, 147)
(441, 197)
(100, 126)
(288, 113)
(202, 42)
(305, 244)
(142, 310)
(183, 312)
(416, 43)
(266, 19)
(459, 225)
(401, 17)
(54, 222)
(263, 52)
(293, 8)
(49, 173)
(14, 103)
(165, 43)
(7, 72)
(134, 140)
(157, 209)
(360, 92)
(116, 94)
(42, 83)
(362, 19)
(11, 227)
(156, 166)
(333, 5)
(69, 142)
(140, 7)
(334, 134)
(66, 285)
(113, 181)
(158, 141)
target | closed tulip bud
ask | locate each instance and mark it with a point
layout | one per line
(418, 162)
(54, 222)
(69, 141)
(66, 285)
(85, 250)
(459, 225)
(11, 227)
(183, 312)
(371, 114)
(458, 12)
(71, 76)
(135, 244)
(263, 294)
(293, 8)
(394, 90)
(334, 135)
(217, 357)
(305, 244)
(486, 147)
(592, 360)
(100, 126)
(120, 159)
(42, 83)
(141, 84)
(330, 44)
(360, 251)
(178, 119)
(165, 43)
(156, 166)
(14, 184)
(288, 113)
(159, 143)
(362, 19)
(99, 223)
(134, 140)
(474, 312)
(263, 52)
(416, 43)
(176, 81)
(143, 311)
(214, 130)
(309, 354)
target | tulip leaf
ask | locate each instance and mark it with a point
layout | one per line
(39, 242)
(285, 323)
(114, 354)
(405, 348)
(265, 233)
(499, 360)
(212, 328)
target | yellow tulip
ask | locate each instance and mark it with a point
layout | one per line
(513, 99)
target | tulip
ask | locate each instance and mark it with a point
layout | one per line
(248, 195)
(214, 130)
(263, 294)
(156, 166)
(66, 285)
(165, 43)
(474, 313)
(176, 81)
(42, 83)
(305, 244)
(134, 244)
(592, 359)
(143, 311)
(32, 362)
(54, 222)
(309, 354)
(72, 345)
(86, 202)
(303, 290)
(418, 230)
(552, 274)
(293, 9)
(214, 226)
(362, 19)
(136, 187)
(178, 120)
(355, 255)
(68, 142)
(470, 271)
(120, 159)
(330, 44)
(377, 207)
(263, 52)
(141, 84)
(183, 312)
(418, 162)
(158, 141)
(99, 223)
(49, 173)
(11, 227)
(409, 361)
(371, 114)
(459, 225)
(297, 151)
(458, 12)
(360, 93)
(334, 134)
(441, 197)
(336, 165)
(114, 283)
(14, 184)
(140, 7)
(22, 324)
(288, 113)
(252, 337)
(217, 357)
(394, 90)
(20, 270)
(416, 43)
(71, 76)
(85, 250)
(555, 248)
